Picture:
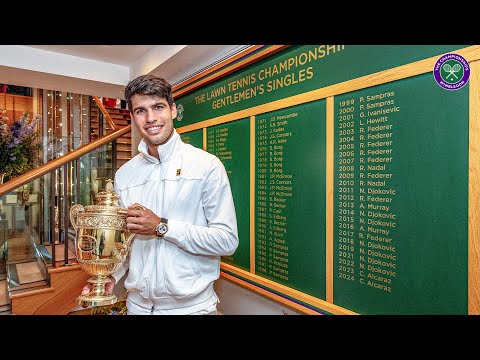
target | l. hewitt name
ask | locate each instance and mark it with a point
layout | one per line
(379, 120)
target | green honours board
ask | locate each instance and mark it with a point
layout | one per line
(194, 138)
(351, 177)
(401, 196)
(230, 143)
(290, 197)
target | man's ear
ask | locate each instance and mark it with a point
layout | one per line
(174, 110)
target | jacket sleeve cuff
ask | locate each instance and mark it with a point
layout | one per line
(176, 231)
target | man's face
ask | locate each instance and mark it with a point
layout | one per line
(153, 118)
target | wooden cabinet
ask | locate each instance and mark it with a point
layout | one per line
(15, 105)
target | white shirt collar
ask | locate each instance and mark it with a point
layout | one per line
(165, 151)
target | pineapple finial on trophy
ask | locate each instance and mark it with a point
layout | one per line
(109, 185)
(107, 197)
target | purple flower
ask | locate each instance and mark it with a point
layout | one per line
(18, 146)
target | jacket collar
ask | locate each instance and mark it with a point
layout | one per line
(165, 151)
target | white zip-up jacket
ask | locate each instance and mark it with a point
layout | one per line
(190, 188)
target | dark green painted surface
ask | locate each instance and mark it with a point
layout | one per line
(418, 264)
(231, 143)
(194, 138)
(290, 197)
(295, 70)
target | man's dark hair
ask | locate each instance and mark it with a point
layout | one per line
(150, 85)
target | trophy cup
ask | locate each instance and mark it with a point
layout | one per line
(102, 243)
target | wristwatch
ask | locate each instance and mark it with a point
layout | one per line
(162, 228)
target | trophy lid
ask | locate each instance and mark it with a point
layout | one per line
(108, 197)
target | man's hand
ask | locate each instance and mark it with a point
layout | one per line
(141, 220)
(108, 287)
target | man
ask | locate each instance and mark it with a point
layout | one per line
(188, 221)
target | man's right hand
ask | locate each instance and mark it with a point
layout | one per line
(108, 287)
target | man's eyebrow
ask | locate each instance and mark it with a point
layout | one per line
(153, 105)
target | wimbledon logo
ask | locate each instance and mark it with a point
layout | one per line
(451, 71)
(180, 111)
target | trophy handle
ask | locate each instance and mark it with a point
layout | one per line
(74, 210)
(86, 244)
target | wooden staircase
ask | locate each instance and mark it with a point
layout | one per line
(99, 127)
(66, 284)
(41, 286)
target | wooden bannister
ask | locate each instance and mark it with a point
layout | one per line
(105, 112)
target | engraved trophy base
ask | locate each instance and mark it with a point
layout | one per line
(98, 295)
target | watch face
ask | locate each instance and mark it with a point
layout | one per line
(162, 229)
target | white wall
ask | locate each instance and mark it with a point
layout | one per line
(237, 300)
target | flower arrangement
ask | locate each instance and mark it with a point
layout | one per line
(18, 144)
(118, 308)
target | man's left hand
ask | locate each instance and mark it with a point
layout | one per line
(141, 220)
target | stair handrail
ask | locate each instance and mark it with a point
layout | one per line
(105, 112)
